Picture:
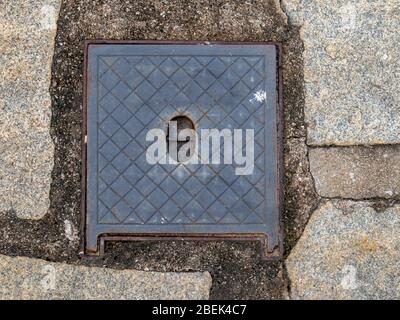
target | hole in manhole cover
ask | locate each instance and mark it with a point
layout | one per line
(183, 140)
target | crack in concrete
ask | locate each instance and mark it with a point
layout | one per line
(389, 201)
(288, 280)
(281, 11)
(331, 146)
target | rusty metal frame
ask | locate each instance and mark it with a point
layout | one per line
(277, 254)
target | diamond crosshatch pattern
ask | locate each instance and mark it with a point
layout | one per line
(134, 89)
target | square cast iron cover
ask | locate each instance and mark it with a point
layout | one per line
(132, 87)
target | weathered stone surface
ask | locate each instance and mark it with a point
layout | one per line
(27, 278)
(27, 31)
(351, 69)
(356, 172)
(347, 251)
(301, 198)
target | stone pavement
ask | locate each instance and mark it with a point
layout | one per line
(351, 70)
(349, 249)
(27, 278)
(27, 31)
(356, 172)
(349, 158)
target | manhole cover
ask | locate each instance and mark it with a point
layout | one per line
(183, 141)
